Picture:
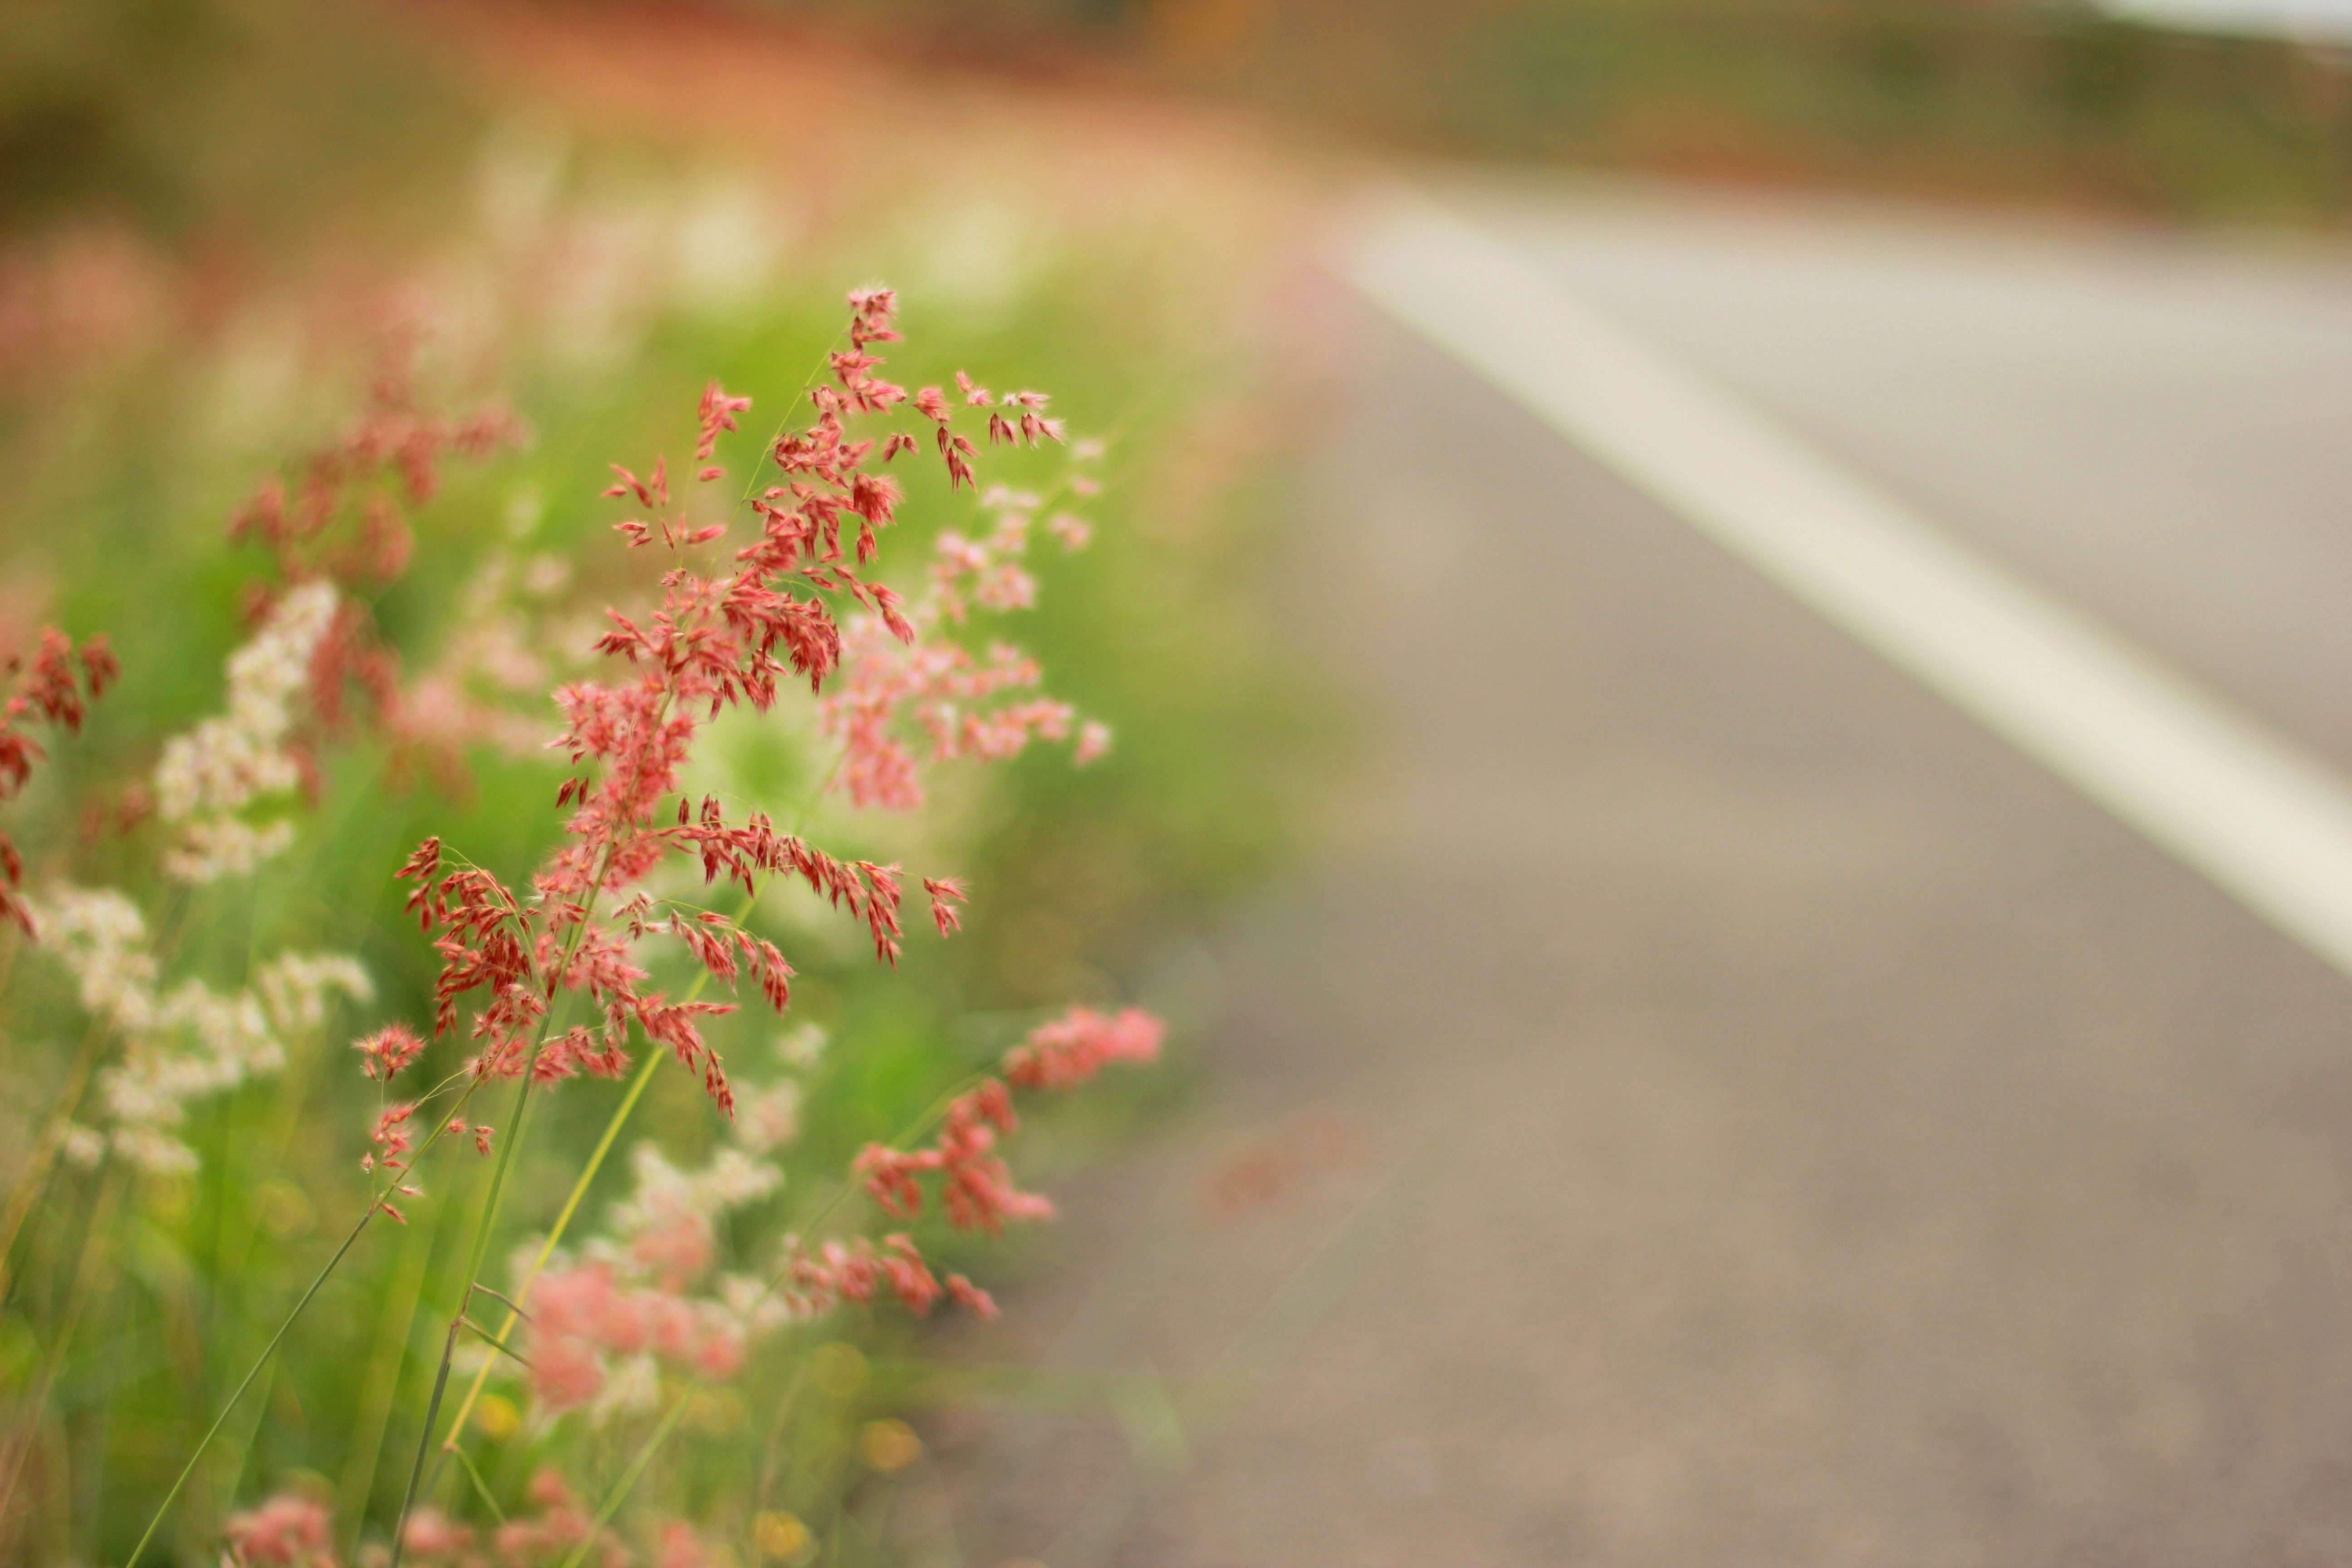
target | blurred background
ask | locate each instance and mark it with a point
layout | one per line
(1651, 1083)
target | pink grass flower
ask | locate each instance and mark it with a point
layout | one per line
(286, 1532)
(1076, 1045)
(432, 1533)
(895, 688)
(970, 1297)
(716, 414)
(395, 1144)
(387, 1051)
(945, 892)
(50, 689)
(679, 1547)
(561, 1524)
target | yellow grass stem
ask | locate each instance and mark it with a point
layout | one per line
(554, 1235)
(516, 1123)
(619, 1119)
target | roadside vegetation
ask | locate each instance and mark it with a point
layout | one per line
(754, 922)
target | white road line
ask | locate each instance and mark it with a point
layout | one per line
(2266, 821)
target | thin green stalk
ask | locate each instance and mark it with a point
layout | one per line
(101, 1224)
(243, 1384)
(555, 1235)
(473, 1267)
(381, 1381)
(432, 1414)
(622, 1488)
(516, 1123)
(481, 1487)
(31, 1181)
(375, 1204)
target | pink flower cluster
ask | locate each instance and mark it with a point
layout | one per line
(720, 640)
(717, 641)
(391, 454)
(584, 1317)
(942, 688)
(294, 1531)
(975, 1187)
(49, 689)
(286, 1532)
(559, 1524)
(344, 519)
(1080, 1044)
(389, 1050)
(604, 1328)
(897, 688)
(854, 1272)
(393, 1147)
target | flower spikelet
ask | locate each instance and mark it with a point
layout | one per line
(1074, 1047)
(49, 689)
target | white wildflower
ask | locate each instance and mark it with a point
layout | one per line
(153, 1152)
(82, 1145)
(100, 938)
(224, 764)
(215, 847)
(634, 1388)
(755, 1308)
(802, 1048)
(185, 1043)
(295, 987)
(668, 1196)
(767, 1118)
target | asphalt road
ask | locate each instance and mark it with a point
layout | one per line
(1709, 1101)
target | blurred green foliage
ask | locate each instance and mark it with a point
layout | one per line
(1072, 873)
(244, 123)
(2044, 101)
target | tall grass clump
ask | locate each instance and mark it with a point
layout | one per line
(585, 1249)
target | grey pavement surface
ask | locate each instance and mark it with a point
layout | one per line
(1709, 1102)
(2158, 430)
